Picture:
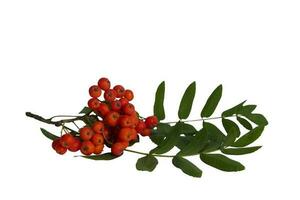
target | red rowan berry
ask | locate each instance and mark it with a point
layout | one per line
(140, 126)
(124, 101)
(58, 147)
(94, 103)
(118, 148)
(66, 140)
(75, 146)
(98, 149)
(151, 122)
(120, 90)
(87, 148)
(125, 121)
(98, 127)
(135, 119)
(103, 109)
(127, 134)
(95, 91)
(56, 143)
(104, 84)
(116, 105)
(128, 95)
(146, 132)
(86, 133)
(97, 139)
(111, 119)
(128, 109)
(110, 95)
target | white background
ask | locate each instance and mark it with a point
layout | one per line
(52, 51)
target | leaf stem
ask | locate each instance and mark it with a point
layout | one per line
(197, 120)
(56, 123)
(146, 154)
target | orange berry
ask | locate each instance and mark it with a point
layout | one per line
(95, 91)
(118, 148)
(129, 109)
(124, 101)
(151, 122)
(125, 121)
(127, 134)
(104, 84)
(75, 146)
(146, 132)
(94, 103)
(58, 147)
(98, 149)
(66, 140)
(97, 139)
(103, 109)
(120, 90)
(140, 126)
(98, 127)
(86, 133)
(111, 119)
(116, 105)
(87, 148)
(128, 95)
(110, 95)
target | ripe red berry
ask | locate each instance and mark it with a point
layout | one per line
(120, 90)
(66, 140)
(127, 134)
(95, 91)
(135, 119)
(87, 148)
(58, 147)
(124, 101)
(111, 119)
(110, 95)
(128, 95)
(75, 146)
(98, 127)
(104, 84)
(103, 109)
(140, 126)
(125, 121)
(98, 149)
(94, 103)
(86, 133)
(116, 105)
(151, 122)
(129, 109)
(118, 148)
(97, 139)
(146, 132)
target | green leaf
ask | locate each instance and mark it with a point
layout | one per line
(90, 120)
(234, 110)
(159, 110)
(86, 110)
(250, 137)
(232, 130)
(195, 145)
(187, 129)
(258, 119)
(244, 123)
(183, 141)
(240, 151)
(247, 109)
(212, 102)
(186, 166)
(49, 135)
(169, 142)
(159, 135)
(221, 162)
(215, 137)
(147, 163)
(187, 101)
(105, 156)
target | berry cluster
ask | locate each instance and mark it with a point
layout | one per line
(117, 125)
